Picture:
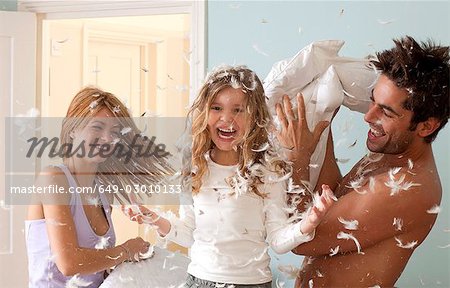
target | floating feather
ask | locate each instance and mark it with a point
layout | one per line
(258, 50)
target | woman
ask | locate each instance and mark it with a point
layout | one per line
(72, 233)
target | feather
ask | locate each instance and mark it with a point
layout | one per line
(125, 130)
(263, 147)
(314, 166)
(102, 243)
(291, 272)
(258, 50)
(125, 279)
(434, 210)
(408, 245)
(76, 282)
(356, 184)
(113, 258)
(371, 184)
(52, 221)
(398, 223)
(93, 200)
(334, 251)
(349, 224)
(148, 254)
(385, 22)
(410, 164)
(348, 236)
(279, 284)
(93, 104)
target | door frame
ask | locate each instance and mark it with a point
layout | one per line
(52, 10)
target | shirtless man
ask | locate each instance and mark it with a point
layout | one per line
(392, 191)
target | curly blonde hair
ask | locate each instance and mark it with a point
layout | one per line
(256, 135)
(115, 170)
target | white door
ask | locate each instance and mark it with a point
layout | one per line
(17, 95)
(115, 67)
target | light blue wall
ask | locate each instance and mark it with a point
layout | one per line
(235, 27)
(8, 5)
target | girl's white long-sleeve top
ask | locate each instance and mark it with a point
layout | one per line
(229, 236)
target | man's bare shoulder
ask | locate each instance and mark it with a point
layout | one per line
(411, 195)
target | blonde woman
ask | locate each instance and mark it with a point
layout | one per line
(70, 236)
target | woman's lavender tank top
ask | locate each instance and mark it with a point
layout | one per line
(43, 271)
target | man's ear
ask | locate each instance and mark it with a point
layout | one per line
(428, 126)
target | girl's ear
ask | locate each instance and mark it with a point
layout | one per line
(428, 126)
(72, 134)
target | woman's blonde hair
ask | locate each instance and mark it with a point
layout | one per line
(256, 134)
(114, 170)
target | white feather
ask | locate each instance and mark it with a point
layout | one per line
(125, 130)
(410, 164)
(258, 50)
(102, 243)
(76, 282)
(349, 224)
(434, 210)
(408, 245)
(93, 104)
(385, 22)
(398, 223)
(291, 272)
(334, 251)
(148, 254)
(443, 247)
(263, 147)
(348, 236)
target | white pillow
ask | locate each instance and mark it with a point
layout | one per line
(326, 81)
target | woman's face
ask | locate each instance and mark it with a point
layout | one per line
(98, 137)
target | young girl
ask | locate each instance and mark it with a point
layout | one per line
(72, 233)
(239, 188)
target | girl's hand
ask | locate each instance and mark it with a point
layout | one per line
(295, 134)
(318, 211)
(134, 248)
(139, 213)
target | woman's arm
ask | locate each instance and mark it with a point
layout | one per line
(70, 258)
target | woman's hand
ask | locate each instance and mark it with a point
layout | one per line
(295, 134)
(135, 248)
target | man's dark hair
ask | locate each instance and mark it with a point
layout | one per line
(423, 70)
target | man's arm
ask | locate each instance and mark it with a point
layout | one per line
(330, 173)
(375, 212)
